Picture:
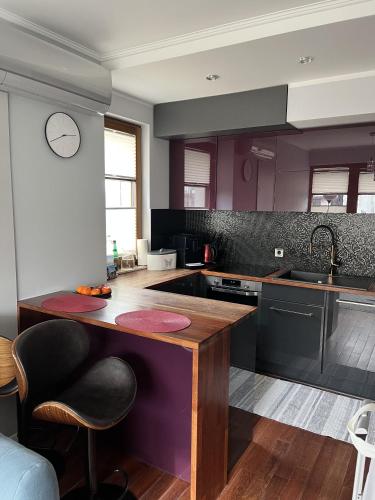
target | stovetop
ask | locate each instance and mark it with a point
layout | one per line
(258, 271)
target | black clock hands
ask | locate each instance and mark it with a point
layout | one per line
(63, 135)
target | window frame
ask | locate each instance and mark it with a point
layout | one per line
(136, 130)
(354, 171)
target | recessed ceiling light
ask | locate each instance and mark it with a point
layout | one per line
(305, 59)
(212, 78)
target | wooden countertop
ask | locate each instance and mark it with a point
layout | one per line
(274, 279)
(129, 294)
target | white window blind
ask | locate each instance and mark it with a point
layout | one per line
(197, 167)
(120, 189)
(366, 184)
(120, 153)
(327, 181)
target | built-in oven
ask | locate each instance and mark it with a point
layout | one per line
(243, 335)
(233, 290)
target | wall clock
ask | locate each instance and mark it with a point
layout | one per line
(63, 135)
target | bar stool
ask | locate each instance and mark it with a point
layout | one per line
(8, 381)
(56, 386)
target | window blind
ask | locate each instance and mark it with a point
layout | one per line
(197, 167)
(120, 153)
(366, 184)
(327, 181)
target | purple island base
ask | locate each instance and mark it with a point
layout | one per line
(158, 428)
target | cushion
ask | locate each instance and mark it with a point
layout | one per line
(25, 475)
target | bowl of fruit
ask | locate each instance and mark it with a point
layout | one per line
(100, 291)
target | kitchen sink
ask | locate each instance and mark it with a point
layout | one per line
(356, 282)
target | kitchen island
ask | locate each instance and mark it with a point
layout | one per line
(180, 420)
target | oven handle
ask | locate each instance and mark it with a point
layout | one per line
(309, 315)
(234, 292)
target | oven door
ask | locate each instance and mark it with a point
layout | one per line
(243, 334)
(227, 294)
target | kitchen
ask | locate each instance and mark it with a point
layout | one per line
(250, 187)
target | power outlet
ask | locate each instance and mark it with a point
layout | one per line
(279, 252)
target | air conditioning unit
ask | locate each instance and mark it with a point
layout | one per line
(32, 65)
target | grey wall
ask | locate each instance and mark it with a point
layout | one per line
(260, 109)
(59, 205)
(59, 212)
(8, 288)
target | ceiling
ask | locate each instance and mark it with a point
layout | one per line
(116, 24)
(345, 137)
(261, 63)
(161, 50)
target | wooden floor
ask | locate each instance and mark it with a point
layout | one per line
(272, 461)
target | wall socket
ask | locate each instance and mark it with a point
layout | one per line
(279, 252)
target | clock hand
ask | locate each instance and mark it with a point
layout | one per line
(63, 135)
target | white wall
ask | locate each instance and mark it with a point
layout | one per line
(8, 288)
(155, 155)
(343, 99)
(59, 204)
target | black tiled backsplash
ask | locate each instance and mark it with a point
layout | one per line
(251, 237)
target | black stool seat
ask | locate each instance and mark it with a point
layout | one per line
(98, 400)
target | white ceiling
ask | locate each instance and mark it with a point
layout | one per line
(261, 63)
(111, 25)
(161, 50)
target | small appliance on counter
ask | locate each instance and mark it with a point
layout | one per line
(189, 248)
(161, 260)
(209, 253)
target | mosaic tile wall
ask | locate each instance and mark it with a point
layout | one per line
(251, 237)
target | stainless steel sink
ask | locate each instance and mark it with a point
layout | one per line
(356, 282)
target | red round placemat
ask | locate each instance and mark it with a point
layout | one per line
(73, 303)
(153, 320)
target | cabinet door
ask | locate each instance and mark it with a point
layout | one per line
(290, 340)
(349, 357)
(193, 173)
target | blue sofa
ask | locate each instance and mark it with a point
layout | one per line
(25, 475)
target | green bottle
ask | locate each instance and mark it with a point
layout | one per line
(115, 254)
(115, 251)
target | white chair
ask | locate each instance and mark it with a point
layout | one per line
(358, 429)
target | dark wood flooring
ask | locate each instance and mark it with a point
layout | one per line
(268, 461)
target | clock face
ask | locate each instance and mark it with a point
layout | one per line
(63, 135)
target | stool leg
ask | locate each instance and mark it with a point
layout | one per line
(91, 463)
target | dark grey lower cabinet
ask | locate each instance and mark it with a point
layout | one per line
(290, 340)
(349, 354)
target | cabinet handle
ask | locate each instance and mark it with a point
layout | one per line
(308, 315)
(353, 303)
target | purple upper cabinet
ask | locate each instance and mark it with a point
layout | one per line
(193, 173)
(237, 173)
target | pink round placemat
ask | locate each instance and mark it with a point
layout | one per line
(73, 303)
(153, 320)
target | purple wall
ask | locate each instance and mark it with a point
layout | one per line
(158, 428)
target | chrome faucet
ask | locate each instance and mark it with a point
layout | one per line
(333, 263)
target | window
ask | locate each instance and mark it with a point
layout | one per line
(122, 185)
(197, 175)
(366, 193)
(329, 190)
(341, 189)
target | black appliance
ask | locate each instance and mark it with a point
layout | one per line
(189, 248)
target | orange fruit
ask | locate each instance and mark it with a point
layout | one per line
(96, 291)
(106, 289)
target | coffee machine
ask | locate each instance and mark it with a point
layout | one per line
(189, 248)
